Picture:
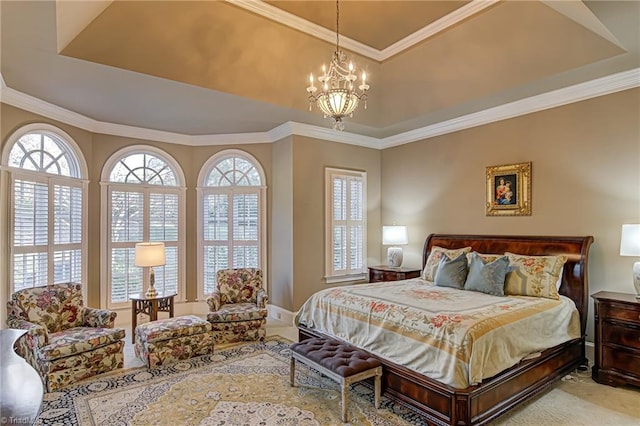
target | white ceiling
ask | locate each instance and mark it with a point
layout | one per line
(459, 66)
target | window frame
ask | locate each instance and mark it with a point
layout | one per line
(203, 190)
(331, 275)
(9, 174)
(107, 187)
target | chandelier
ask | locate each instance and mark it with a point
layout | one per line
(338, 98)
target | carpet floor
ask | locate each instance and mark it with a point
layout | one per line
(248, 384)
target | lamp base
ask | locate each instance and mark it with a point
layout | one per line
(394, 256)
(151, 291)
(636, 279)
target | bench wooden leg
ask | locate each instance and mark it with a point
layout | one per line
(377, 389)
(292, 371)
(345, 398)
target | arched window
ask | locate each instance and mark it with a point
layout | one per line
(231, 216)
(143, 191)
(47, 205)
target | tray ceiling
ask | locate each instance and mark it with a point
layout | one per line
(226, 57)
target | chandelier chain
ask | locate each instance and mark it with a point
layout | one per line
(337, 26)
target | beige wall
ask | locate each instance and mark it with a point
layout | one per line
(310, 157)
(281, 246)
(586, 181)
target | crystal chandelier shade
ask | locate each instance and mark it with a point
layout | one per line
(337, 97)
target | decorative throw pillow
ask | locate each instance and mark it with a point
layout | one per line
(430, 267)
(533, 275)
(487, 258)
(451, 272)
(487, 276)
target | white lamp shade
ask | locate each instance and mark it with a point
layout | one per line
(630, 240)
(394, 235)
(149, 254)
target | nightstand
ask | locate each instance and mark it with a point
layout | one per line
(387, 273)
(617, 339)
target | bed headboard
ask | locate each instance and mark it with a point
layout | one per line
(574, 279)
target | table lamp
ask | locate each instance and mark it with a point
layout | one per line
(630, 246)
(149, 255)
(394, 236)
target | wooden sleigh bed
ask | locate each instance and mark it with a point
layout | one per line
(442, 404)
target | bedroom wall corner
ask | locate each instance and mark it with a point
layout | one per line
(281, 253)
(310, 157)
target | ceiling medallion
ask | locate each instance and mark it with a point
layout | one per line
(338, 98)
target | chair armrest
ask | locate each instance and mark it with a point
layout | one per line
(102, 318)
(262, 298)
(214, 301)
(36, 336)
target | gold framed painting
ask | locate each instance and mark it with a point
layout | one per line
(509, 190)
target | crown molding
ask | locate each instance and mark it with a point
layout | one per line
(435, 27)
(290, 20)
(293, 21)
(601, 86)
(578, 92)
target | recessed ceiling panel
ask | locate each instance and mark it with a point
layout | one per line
(506, 46)
(378, 24)
(209, 44)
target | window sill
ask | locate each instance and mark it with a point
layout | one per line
(346, 278)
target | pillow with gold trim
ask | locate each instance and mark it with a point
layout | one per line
(431, 266)
(533, 275)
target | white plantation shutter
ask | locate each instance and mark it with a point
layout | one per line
(127, 228)
(346, 223)
(145, 204)
(231, 218)
(163, 226)
(31, 213)
(47, 215)
(231, 243)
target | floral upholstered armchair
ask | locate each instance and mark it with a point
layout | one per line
(238, 306)
(65, 341)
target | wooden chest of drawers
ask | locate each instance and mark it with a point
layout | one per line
(617, 339)
(387, 273)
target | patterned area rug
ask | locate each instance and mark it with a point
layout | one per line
(249, 385)
(240, 385)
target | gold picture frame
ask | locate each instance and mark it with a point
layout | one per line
(509, 190)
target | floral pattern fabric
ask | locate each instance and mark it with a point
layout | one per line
(533, 275)
(173, 339)
(431, 266)
(65, 341)
(237, 312)
(238, 306)
(239, 285)
(239, 331)
(454, 336)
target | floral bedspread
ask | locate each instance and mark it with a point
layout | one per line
(455, 336)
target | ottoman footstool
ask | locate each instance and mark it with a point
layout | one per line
(169, 340)
(339, 361)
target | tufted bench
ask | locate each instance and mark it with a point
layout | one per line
(339, 361)
(173, 339)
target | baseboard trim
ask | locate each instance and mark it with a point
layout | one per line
(281, 314)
